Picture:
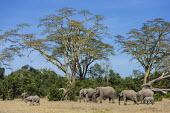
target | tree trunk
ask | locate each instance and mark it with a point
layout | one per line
(147, 72)
(81, 76)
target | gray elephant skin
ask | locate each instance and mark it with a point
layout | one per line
(64, 92)
(145, 93)
(107, 92)
(149, 100)
(23, 96)
(33, 99)
(86, 94)
(128, 95)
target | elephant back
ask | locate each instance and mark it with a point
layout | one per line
(106, 90)
(147, 93)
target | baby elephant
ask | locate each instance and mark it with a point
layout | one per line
(149, 100)
(33, 99)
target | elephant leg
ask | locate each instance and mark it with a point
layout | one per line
(109, 100)
(80, 97)
(100, 99)
(97, 99)
(146, 102)
(152, 102)
(93, 99)
(87, 98)
(36, 102)
(113, 101)
(32, 102)
(84, 99)
(125, 100)
(136, 102)
(142, 99)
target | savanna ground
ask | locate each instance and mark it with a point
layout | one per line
(18, 106)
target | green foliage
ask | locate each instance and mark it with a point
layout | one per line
(45, 82)
(167, 95)
(2, 71)
(54, 93)
(30, 80)
(72, 93)
(158, 96)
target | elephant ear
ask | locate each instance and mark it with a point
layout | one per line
(99, 90)
(85, 91)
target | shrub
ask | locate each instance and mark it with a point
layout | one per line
(55, 94)
(72, 91)
(158, 96)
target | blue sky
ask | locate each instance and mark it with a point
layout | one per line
(120, 16)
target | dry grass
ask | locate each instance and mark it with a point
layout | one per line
(18, 106)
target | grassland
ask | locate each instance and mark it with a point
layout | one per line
(18, 106)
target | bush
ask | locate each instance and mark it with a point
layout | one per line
(158, 96)
(72, 91)
(55, 94)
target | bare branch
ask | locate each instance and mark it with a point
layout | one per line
(161, 90)
(163, 76)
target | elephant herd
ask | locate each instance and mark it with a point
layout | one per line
(146, 95)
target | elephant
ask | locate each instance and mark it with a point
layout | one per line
(107, 92)
(81, 94)
(33, 99)
(128, 95)
(149, 100)
(145, 93)
(64, 92)
(23, 96)
(87, 93)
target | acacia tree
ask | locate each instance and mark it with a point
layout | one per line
(3, 53)
(149, 45)
(71, 40)
(7, 48)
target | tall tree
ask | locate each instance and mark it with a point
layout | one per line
(149, 45)
(7, 50)
(71, 40)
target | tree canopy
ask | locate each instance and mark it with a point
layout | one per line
(149, 45)
(69, 42)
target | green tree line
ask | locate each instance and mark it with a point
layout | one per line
(45, 82)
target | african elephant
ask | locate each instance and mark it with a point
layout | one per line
(149, 100)
(128, 95)
(107, 92)
(145, 93)
(33, 99)
(23, 96)
(87, 93)
(64, 92)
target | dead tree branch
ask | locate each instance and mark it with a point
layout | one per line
(165, 74)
